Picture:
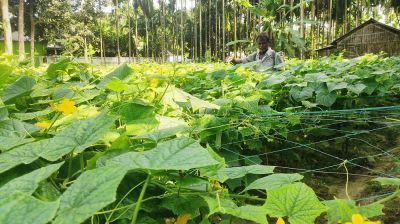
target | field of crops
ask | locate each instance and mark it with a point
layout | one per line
(200, 143)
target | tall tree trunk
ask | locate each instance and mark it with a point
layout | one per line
(200, 34)
(117, 30)
(209, 27)
(21, 39)
(330, 21)
(129, 32)
(32, 37)
(235, 28)
(147, 36)
(223, 30)
(102, 59)
(182, 50)
(216, 50)
(302, 34)
(7, 27)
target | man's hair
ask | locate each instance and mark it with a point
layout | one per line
(262, 36)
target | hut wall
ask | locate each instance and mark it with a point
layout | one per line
(371, 38)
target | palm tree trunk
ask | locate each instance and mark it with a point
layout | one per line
(182, 51)
(200, 33)
(7, 28)
(223, 30)
(117, 30)
(32, 37)
(21, 41)
(129, 32)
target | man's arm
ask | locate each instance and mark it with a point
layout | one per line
(247, 59)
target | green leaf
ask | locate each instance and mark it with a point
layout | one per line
(92, 191)
(28, 182)
(357, 88)
(116, 85)
(221, 205)
(274, 181)
(56, 68)
(122, 72)
(180, 205)
(13, 133)
(340, 210)
(20, 208)
(301, 94)
(139, 119)
(176, 97)
(273, 80)
(19, 88)
(78, 136)
(237, 172)
(253, 213)
(33, 115)
(316, 77)
(336, 86)
(168, 127)
(297, 201)
(326, 98)
(176, 154)
(388, 181)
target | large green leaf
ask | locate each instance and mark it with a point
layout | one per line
(273, 80)
(92, 191)
(3, 111)
(237, 172)
(139, 119)
(76, 137)
(19, 88)
(33, 115)
(58, 67)
(326, 98)
(227, 206)
(20, 208)
(297, 201)
(340, 210)
(357, 88)
(221, 205)
(122, 72)
(14, 132)
(28, 182)
(336, 85)
(316, 77)
(301, 94)
(184, 204)
(168, 127)
(176, 154)
(274, 181)
(176, 97)
(253, 213)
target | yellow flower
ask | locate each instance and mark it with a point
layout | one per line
(183, 219)
(280, 221)
(358, 219)
(153, 83)
(67, 107)
(43, 124)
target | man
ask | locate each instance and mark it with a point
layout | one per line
(266, 57)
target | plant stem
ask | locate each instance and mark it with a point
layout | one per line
(139, 202)
(388, 198)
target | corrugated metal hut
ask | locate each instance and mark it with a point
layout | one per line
(369, 37)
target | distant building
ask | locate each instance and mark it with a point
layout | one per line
(369, 37)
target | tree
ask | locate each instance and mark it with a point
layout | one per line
(7, 27)
(21, 39)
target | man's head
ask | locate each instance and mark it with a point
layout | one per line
(262, 40)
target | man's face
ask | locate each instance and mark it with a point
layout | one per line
(262, 45)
